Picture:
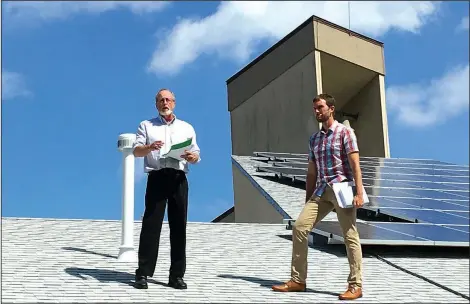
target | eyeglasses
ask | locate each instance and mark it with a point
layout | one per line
(163, 100)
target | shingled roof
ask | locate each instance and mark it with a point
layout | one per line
(65, 261)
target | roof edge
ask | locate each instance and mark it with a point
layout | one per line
(269, 50)
(263, 192)
(295, 31)
(346, 30)
(224, 215)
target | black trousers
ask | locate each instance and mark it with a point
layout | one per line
(164, 186)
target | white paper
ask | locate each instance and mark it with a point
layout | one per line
(345, 195)
(178, 149)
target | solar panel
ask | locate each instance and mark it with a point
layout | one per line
(384, 187)
(384, 183)
(412, 177)
(461, 186)
(414, 162)
(386, 192)
(464, 228)
(375, 160)
(427, 203)
(386, 170)
(274, 155)
(424, 184)
(462, 203)
(367, 162)
(450, 172)
(402, 160)
(369, 167)
(287, 161)
(427, 231)
(303, 165)
(382, 202)
(420, 169)
(465, 194)
(456, 179)
(464, 214)
(397, 233)
(283, 170)
(417, 203)
(368, 234)
(428, 193)
(433, 196)
(410, 193)
(424, 215)
(441, 172)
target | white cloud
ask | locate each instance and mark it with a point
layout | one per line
(464, 24)
(422, 105)
(236, 28)
(13, 85)
(28, 11)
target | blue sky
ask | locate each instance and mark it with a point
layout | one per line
(76, 75)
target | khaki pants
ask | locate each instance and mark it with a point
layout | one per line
(313, 212)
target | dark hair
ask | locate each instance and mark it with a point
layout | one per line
(330, 100)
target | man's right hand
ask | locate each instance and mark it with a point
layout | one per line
(141, 151)
(157, 145)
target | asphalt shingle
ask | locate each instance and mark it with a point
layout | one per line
(51, 260)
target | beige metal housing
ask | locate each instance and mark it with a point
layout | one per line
(270, 100)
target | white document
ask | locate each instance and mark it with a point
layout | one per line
(178, 149)
(344, 193)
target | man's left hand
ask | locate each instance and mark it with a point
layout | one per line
(190, 156)
(358, 201)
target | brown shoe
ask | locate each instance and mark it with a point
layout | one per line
(352, 293)
(290, 286)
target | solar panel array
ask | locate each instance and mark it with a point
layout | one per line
(432, 196)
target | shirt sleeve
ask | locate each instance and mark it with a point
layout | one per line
(311, 155)
(195, 147)
(141, 136)
(350, 141)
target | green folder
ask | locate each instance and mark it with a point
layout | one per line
(178, 149)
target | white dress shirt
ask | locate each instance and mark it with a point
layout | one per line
(158, 129)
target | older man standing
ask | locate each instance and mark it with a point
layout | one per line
(166, 184)
(333, 158)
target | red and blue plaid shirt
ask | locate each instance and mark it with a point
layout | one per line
(330, 149)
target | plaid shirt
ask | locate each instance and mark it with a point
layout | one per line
(330, 152)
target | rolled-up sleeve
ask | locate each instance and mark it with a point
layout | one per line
(141, 135)
(195, 147)
(350, 141)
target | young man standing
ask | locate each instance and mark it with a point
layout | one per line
(166, 183)
(333, 157)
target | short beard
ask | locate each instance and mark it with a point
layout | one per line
(325, 119)
(166, 113)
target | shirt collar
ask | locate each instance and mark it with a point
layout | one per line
(331, 128)
(163, 121)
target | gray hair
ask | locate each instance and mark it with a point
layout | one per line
(164, 89)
